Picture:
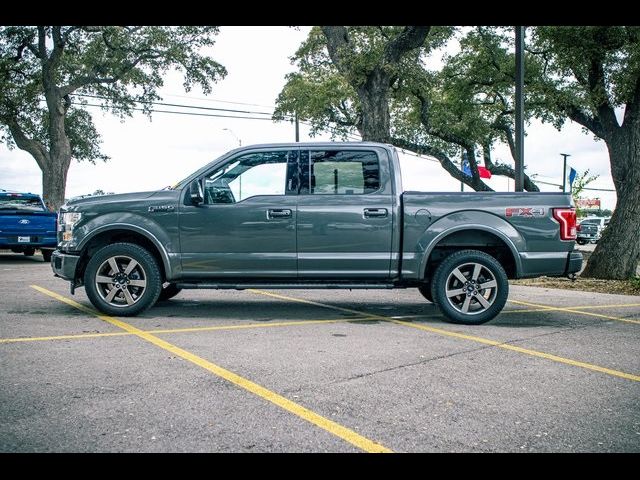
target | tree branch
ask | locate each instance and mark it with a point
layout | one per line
(505, 170)
(444, 160)
(337, 40)
(34, 147)
(410, 38)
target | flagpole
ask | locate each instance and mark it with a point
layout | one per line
(564, 172)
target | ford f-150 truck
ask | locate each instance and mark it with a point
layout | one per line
(313, 215)
(25, 224)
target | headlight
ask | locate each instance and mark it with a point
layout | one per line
(66, 222)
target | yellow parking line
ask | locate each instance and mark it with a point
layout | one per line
(63, 337)
(473, 338)
(80, 336)
(575, 310)
(318, 420)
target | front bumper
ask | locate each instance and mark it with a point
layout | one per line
(64, 265)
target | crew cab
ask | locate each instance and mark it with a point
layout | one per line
(26, 224)
(313, 215)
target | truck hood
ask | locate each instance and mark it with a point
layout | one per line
(104, 199)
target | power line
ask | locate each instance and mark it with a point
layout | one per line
(179, 113)
(180, 105)
(220, 101)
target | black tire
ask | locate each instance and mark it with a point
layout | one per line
(473, 305)
(168, 292)
(29, 251)
(132, 289)
(425, 290)
(581, 242)
(46, 254)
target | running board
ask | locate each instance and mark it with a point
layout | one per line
(243, 286)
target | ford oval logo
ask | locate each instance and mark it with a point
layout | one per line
(24, 221)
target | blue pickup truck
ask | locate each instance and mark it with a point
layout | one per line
(26, 224)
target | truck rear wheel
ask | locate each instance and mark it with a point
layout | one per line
(122, 279)
(29, 251)
(470, 287)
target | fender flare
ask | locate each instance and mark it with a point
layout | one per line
(471, 226)
(133, 228)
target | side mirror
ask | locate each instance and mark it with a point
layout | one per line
(195, 192)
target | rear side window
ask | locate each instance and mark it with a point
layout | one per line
(27, 204)
(339, 172)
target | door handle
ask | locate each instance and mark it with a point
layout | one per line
(278, 213)
(375, 212)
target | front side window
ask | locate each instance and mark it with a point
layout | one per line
(261, 173)
(340, 172)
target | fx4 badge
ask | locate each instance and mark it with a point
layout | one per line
(524, 212)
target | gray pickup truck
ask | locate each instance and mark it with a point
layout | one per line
(312, 215)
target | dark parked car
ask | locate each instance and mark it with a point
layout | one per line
(587, 232)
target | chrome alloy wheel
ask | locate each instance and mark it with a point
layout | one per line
(471, 288)
(121, 281)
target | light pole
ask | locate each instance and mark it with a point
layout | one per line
(564, 172)
(234, 136)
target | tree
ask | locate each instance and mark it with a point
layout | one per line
(467, 105)
(588, 74)
(433, 113)
(347, 74)
(43, 70)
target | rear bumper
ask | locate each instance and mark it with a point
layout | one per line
(574, 263)
(64, 265)
(550, 264)
(41, 242)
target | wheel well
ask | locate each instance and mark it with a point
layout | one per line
(114, 236)
(471, 239)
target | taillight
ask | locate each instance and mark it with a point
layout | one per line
(567, 219)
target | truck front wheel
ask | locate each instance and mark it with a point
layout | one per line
(122, 279)
(470, 287)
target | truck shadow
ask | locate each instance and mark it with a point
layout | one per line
(258, 310)
(10, 258)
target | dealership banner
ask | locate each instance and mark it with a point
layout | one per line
(588, 203)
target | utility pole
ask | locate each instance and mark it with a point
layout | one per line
(297, 128)
(564, 172)
(519, 160)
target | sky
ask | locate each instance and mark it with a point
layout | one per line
(149, 155)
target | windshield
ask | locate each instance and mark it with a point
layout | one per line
(590, 222)
(27, 204)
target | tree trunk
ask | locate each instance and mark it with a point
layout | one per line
(623, 233)
(373, 96)
(54, 175)
(54, 182)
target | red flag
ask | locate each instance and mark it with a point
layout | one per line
(484, 173)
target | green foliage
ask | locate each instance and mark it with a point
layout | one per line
(41, 68)
(324, 93)
(585, 71)
(579, 183)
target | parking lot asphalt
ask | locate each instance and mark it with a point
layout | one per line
(314, 371)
